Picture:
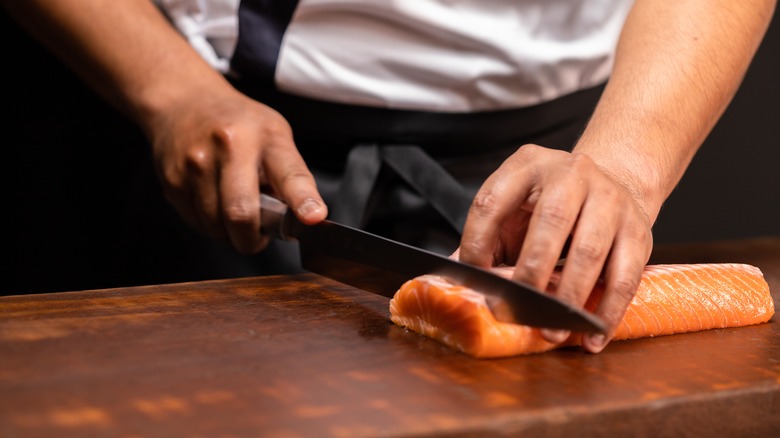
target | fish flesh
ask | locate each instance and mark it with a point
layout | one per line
(671, 298)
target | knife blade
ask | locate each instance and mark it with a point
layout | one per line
(380, 265)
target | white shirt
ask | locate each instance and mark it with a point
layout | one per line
(433, 55)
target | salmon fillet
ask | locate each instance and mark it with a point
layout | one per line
(670, 299)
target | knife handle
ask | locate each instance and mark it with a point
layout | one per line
(274, 217)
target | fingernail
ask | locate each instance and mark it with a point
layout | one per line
(555, 336)
(597, 341)
(309, 207)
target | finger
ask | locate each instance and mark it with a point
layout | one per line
(551, 223)
(591, 242)
(203, 190)
(291, 178)
(240, 197)
(180, 196)
(503, 193)
(623, 273)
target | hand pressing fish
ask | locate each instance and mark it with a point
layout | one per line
(670, 299)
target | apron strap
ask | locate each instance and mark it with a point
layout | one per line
(359, 184)
(350, 207)
(431, 181)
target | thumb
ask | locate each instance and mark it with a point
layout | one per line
(292, 179)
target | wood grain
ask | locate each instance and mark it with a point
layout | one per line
(304, 356)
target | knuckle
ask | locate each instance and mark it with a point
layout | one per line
(277, 127)
(624, 288)
(612, 317)
(528, 273)
(529, 148)
(242, 212)
(534, 254)
(172, 181)
(198, 161)
(530, 266)
(474, 246)
(583, 170)
(640, 233)
(589, 251)
(170, 178)
(225, 137)
(554, 215)
(485, 204)
(622, 292)
(581, 162)
(644, 232)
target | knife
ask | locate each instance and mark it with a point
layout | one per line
(379, 265)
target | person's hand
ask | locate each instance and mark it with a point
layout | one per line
(524, 213)
(215, 150)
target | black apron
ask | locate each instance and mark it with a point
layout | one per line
(411, 175)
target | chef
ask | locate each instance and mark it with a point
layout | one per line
(507, 132)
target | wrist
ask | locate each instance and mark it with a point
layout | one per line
(640, 174)
(166, 94)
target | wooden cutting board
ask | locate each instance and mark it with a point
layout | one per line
(304, 356)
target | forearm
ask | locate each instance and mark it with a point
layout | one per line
(678, 65)
(126, 50)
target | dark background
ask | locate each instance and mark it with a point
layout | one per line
(68, 204)
(732, 188)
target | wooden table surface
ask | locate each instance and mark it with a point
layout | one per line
(304, 356)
